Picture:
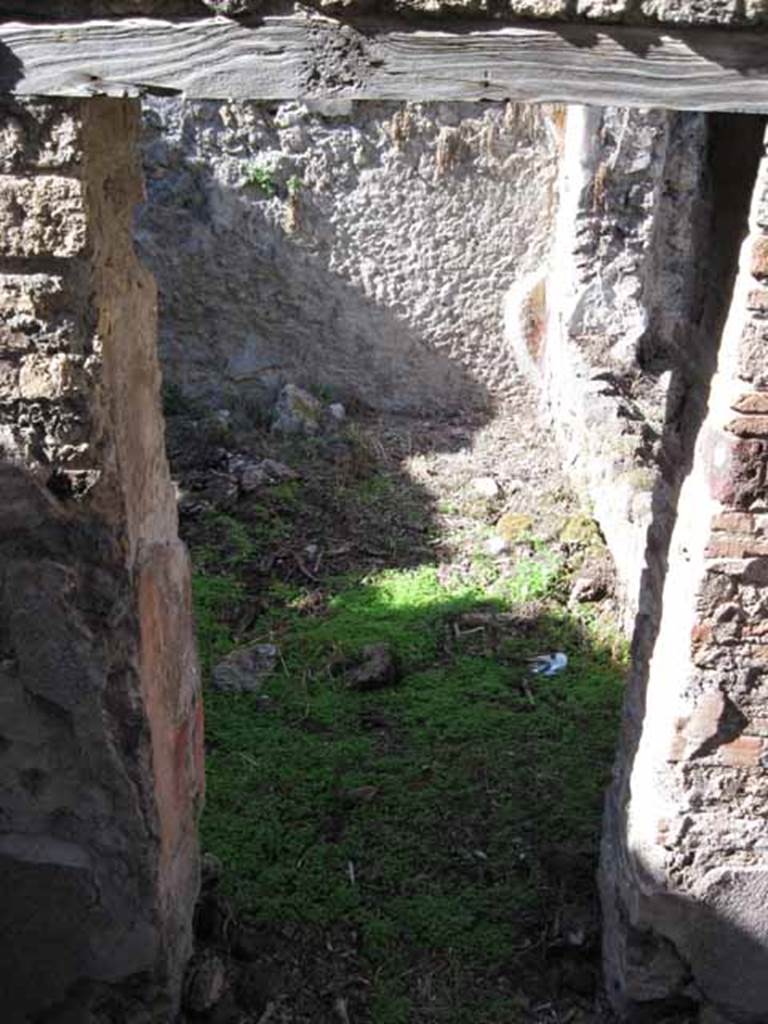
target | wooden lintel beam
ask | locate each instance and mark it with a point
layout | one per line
(310, 56)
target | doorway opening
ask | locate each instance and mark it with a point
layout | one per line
(403, 814)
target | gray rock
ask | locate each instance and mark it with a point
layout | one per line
(253, 474)
(205, 984)
(375, 667)
(297, 412)
(588, 588)
(244, 670)
(497, 546)
(219, 489)
(211, 870)
(485, 487)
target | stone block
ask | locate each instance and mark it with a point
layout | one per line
(604, 10)
(712, 12)
(9, 380)
(699, 728)
(736, 547)
(42, 216)
(537, 8)
(39, 135)
(759, 262)
(50, 377)
(31, 295)
(757, 302)
(724, 936)
(753, 353)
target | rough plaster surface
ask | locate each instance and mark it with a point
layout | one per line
(100, 730)
(374, 273)
(608, 324)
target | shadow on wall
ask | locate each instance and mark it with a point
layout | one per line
(706, 949)
(361, 254)
(735, 150)
(648, 965)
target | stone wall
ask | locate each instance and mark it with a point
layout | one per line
(370, 263)
(685, 873)
(620, 326)
(601, 324)
(732, 13)
(623, 331)
(100, 728)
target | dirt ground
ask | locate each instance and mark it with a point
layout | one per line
(426, 851)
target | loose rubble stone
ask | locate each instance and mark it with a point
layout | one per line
(485, 487)
(220, 490)
(497, 546)
(253, 474)
(587, 589)
(205, 983)
(514, 527)
(581, 530)
(244, 670)
(375, 667)
(297, 412)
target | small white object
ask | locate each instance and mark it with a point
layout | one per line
(337, 411)
(485, 487)
(496, 545)
(549, 664)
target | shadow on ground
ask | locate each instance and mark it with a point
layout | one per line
(424, 851)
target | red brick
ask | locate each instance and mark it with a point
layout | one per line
(737, 547)
(749, 426)
(701, 633)
(755, 629)
(737, 470)
(743, 752)
(733, 522)
(752, 402)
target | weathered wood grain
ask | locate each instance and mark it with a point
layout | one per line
(303, 56)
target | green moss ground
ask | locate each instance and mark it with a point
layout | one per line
(473, 788)
(421, 843)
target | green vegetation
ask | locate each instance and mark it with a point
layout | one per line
(428, 835)
(261, 177)
(470, 787)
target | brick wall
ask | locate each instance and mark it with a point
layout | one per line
(685, 853)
